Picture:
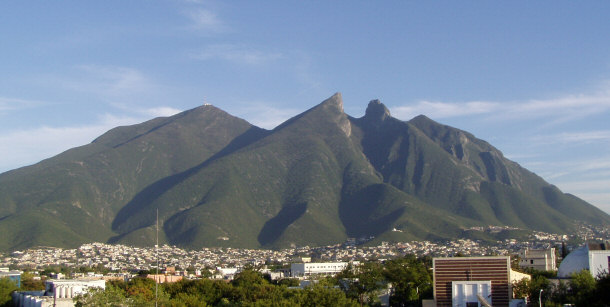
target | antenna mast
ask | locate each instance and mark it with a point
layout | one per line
(157, 256)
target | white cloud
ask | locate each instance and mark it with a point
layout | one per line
(586, 136)
(146, 113)
(23, 147)
(592, 191)
(265, 116)
(572, 138)
(597, 167)
(112, 80)
(10, 104)
(204, 20)
(445, 109)
(560, 109)
(161, 111)
(236, 54)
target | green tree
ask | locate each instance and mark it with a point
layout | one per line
(538, 283)
(561, 293)
(28, 283)
(7, 287)
(288, 282)
(323, 293)
(111, 296)
(411, 280)
(601, 295)
(205, 291)
(522, 288)
(251, 286)
(583, 288)
(362, 282)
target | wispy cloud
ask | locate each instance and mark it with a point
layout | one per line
(161, 111)
(145, 113)
(264, 115)
(560, 109)
(237, 54)
(28, 146)
(105, 84)
(583, 137)
(10, 104)
(593, 191)
(445, 109)
(112, 80)
(204, 20)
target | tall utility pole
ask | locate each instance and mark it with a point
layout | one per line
(157, 256)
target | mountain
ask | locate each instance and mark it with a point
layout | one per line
(319, 178)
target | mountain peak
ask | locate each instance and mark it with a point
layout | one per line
(334, 101)
(376, 111)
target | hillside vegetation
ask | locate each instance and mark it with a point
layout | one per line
(318, 178)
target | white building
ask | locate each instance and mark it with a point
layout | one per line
(539, 259)
(58, 293)
(465, 292)
(592, 257)
(316, 268)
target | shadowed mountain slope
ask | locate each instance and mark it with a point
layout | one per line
(318, 178)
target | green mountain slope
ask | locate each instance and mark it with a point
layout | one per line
(319, 178)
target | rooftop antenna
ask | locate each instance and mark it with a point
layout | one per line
(157, 256)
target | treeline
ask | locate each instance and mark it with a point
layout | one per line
(410, 279)
(580, 290)
(356, 286)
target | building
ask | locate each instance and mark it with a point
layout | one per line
(58, 293)
(15, 276)
(316, 268)
(539, 259)
(163, 278)
(472, 281)
(594, 257)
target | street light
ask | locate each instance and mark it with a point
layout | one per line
(540, 298)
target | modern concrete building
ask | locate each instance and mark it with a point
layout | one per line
(316, 268)
(594, 257)
(58, 293)
(539, 259)
(12, 275)
(164, 278)
(472, 281)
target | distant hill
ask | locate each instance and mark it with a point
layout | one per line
(319, 178)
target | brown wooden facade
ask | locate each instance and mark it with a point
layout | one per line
(494, 269)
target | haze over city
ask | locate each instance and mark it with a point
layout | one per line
(530, 78)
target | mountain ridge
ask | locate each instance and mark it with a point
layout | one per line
(316, 179)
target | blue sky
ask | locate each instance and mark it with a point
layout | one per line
(531, 78)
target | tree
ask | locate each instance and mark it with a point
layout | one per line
(362, 282)
(205, 291)
(583, 287)
(28, 283)
(411, 280)
(538, 283)
(323, 293)
(561, 293)
(111, 296)
(288, 282)
(7, 287)
(522, 288)
(602, 290)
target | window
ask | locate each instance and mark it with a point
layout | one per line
(532, 261)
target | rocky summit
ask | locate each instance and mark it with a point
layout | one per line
(319, 178)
